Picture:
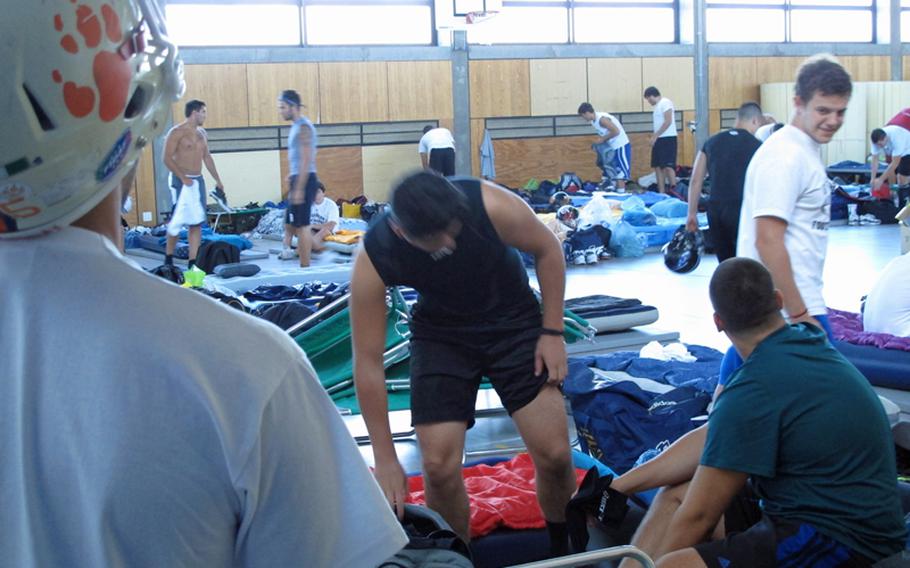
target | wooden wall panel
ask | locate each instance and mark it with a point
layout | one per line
(641, 155)
(558, 86)
(776, 69)
(615, 84)
(132, 216)
(732, 81)
(265, 81)
(867, 67)
(477, 128)
(144, 189)
(518, 160)
(777, 99)
(384, 165)
(341, 170)
(714, 121)
(223, 88)
(906, 73)
(674, 77)
(353, 92)
(420, 90)
(500, 88)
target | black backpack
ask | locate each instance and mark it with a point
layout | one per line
(432, 543)
(882, 209)
(215, 253)
(168, 272)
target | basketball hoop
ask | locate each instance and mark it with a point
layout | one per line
(477, 17)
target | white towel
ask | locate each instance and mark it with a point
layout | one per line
(188, 210)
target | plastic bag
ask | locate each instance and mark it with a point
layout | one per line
(635, 212)
(624, 242)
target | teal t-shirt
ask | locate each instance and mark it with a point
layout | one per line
(812, 434)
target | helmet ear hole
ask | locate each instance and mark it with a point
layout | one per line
(137, 103)
(43, 119)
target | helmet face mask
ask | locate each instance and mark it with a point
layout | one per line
(684, 251)
(90, 84)
(568, 216)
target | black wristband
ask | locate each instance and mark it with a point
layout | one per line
(551, 331)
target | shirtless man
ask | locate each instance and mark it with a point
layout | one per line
(185, 150)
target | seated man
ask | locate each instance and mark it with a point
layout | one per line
(804, 427)
(888, 304)
(323, 217)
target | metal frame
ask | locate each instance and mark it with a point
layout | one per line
(583, 558)
(788, 8)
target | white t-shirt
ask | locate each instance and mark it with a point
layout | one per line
(325, 212)
(143, 424)
(765, 131)
(888, 304)
(436, 138)
(898, 142)
(786, 179)
(662, 106)
(617, 141)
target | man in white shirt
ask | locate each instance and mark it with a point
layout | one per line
(887, 307)
(141, 423)
(324, 217)
(787, 196)
(437, 150)
(614, 151)
(894, 142)
(663, 141)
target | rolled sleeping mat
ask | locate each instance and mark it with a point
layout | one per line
(236, 269)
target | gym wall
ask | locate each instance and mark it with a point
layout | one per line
(244, 95)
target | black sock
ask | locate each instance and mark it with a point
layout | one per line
(169, 259)
(191, 264)
(559, 539)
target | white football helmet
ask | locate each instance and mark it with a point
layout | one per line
(86, 85)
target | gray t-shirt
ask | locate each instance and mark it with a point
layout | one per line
(297, 130)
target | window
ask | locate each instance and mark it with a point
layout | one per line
(592, 21)
(200, 24)
(330, 23)
(626, 24)
(300, 22)
(791, 20)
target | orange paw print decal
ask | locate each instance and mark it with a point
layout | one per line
(110, 68)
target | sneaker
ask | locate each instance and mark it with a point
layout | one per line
(221, 199)
(869, 219)
(603, 253)
(590, 256)
(287, 254)
(853, 220)
(578, 257)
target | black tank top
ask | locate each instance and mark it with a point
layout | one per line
(482, 283)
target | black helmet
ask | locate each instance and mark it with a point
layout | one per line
(568, 216)
(683, 253)
(561, 198)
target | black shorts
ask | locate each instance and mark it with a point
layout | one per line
(754, 540)
(903, 167)
(442, 160)
(663, 153)
(446, 373)
(298, 214)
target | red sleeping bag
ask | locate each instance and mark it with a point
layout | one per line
(500, 495)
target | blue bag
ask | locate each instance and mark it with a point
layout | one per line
(617, 420)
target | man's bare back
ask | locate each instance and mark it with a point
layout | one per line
(187, 144)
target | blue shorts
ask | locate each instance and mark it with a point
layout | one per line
(622, 161)
(732, 361)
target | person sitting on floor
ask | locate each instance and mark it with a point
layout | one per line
(887, 307)
(784, 478)
(324, 217)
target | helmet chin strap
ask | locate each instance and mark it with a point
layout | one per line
(441, 253)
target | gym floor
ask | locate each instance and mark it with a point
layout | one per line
(856, 255)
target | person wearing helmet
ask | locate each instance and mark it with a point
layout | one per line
(186, 148)
(454, 240)
(786, 206)
(135, 430)
(302, 180)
